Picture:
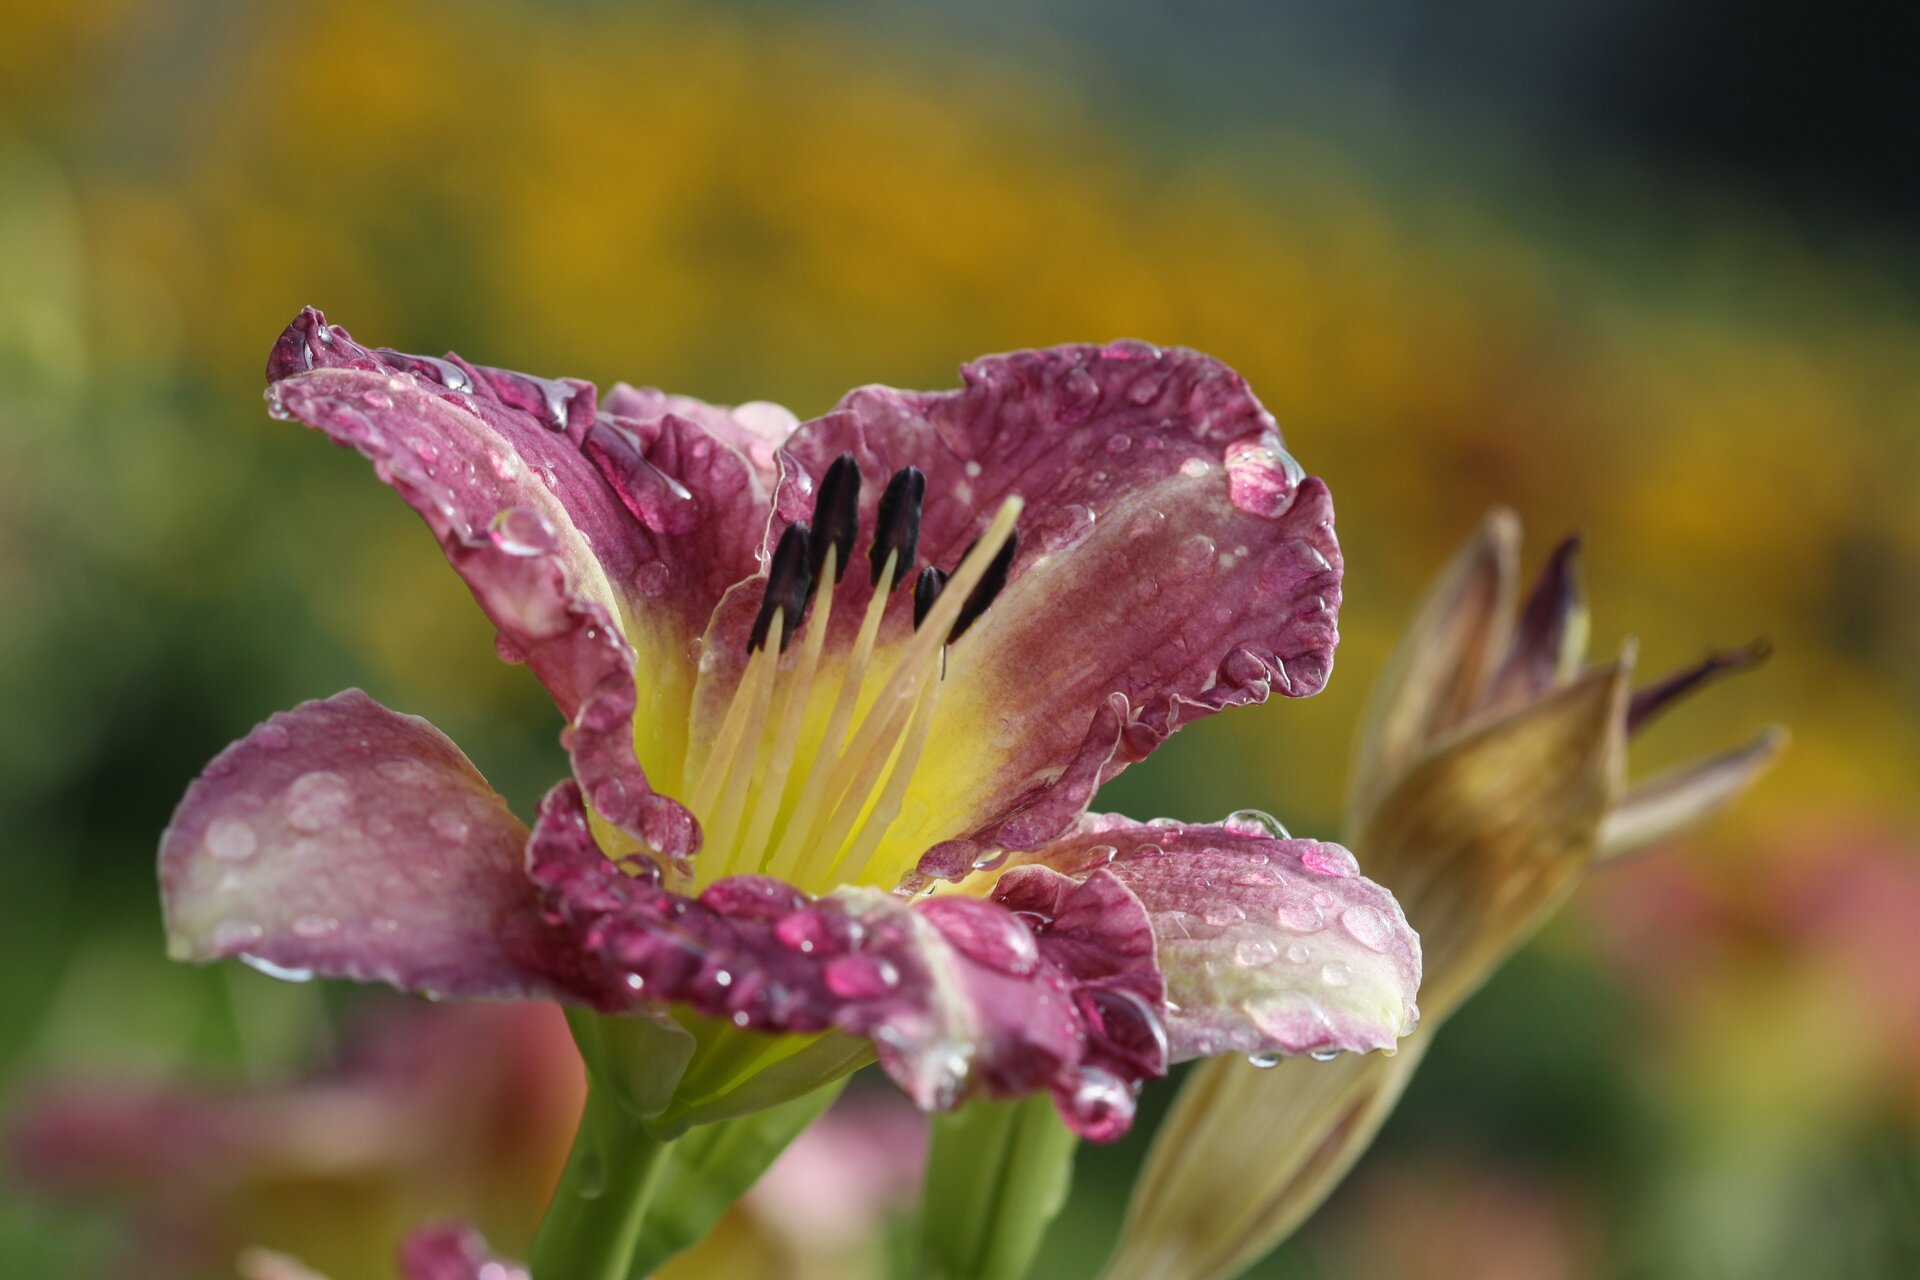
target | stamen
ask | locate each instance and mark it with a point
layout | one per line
(851, 868)
(884, 719)
(852, 677)
(991, 584)
(836, 518)
(727, 742)
(896, 527)
(926, 590)
(793, 711)
(789, 586)
(740, 768)
(1655, 698)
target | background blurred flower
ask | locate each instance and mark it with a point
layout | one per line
(463, 1110)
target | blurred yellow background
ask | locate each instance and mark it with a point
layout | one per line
(756, 202)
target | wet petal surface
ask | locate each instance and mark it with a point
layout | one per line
(1269, 946)
(347, 840)
(1171, 555)
(963, 998)
(598, 544)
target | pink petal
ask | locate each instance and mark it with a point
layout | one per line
(962, 998)
(344, 839)
(1172, 556)
(1269, 946)
(594, 542)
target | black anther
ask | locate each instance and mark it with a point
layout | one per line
(897, 526)
(789, 586)
(926, 589)
(836, 517)
(990, 585)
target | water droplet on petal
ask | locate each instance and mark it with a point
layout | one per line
(318, 800)
(1251, 953)
(1064, 529)
(231, 840)
(522, 531)
(1261, 476)
(449, 825)
(1298, 952)
(861, 977)
(1324, 1055)
(1223, 913)
(1077, 395)
(1336, 973)
(1264, 1061)
(1255, 822)
(406, 773)
(1194, 468)
(1369, 926)
(271, 736)
(1101, 1104)
(1299, 913)
(1329, 860)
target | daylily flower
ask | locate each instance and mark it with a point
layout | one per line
(1488, 782)
(770, 734)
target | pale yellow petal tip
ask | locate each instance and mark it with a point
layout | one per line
(1670, 803)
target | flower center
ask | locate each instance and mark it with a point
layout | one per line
(807, 772)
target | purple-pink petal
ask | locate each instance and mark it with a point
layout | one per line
(963, 998)
(593, 541)
(1173, 562)
(1268, 946)
(344, 839)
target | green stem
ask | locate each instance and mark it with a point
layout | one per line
(997, 1173)
(594, 1222)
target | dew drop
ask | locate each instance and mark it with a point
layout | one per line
(861, 977)
(522, 531)
(1255, 822)
(1251, 953)
(1223, 913)
(406, 773)
(1119, 442)
(1324, 1055)
(272, 736)
(231, 840)
(1264, 1061)
(1261, 476)
(448, 825)
(1368, 926)
(376, 400)
(1298, 913)
(1194, 468)
(1336, 973)
(1329, 860)
(1298, 952)
(318, 800)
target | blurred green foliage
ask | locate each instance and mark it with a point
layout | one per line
(771, 207)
